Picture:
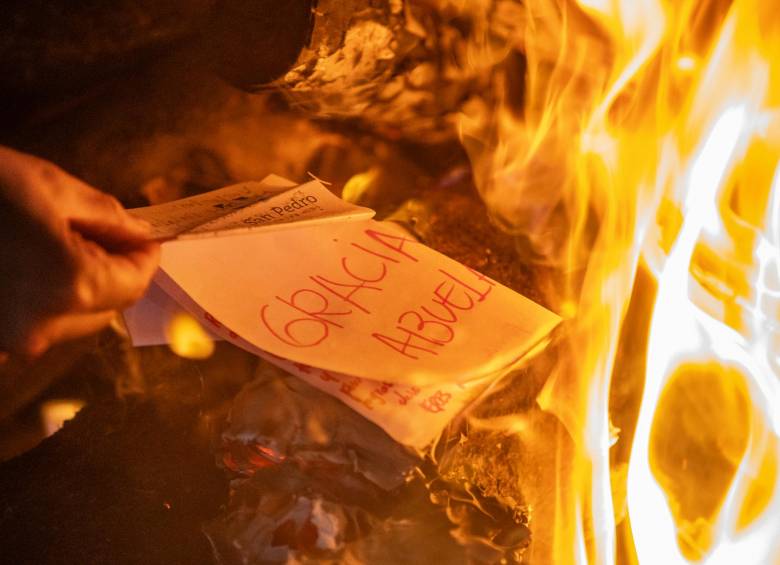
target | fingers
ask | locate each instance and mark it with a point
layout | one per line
(115, 260)
(71, 255)
(111, 281)
(111, 236)
(62, 201)
(101, 218)
(63, 328)
(97, 214)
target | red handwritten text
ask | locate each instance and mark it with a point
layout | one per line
(424, 330)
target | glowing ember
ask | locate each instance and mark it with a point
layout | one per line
(54, 414)
(648, 146)
(187, 338)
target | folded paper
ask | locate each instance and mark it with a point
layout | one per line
(356, 307)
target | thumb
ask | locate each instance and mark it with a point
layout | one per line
(111, 281)
(101, 218)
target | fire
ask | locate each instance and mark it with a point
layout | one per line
(54, 414)
(692, 353)
(647, 147)
(187, 338)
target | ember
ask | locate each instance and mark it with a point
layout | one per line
(187, 337)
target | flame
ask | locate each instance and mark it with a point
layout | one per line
(646, 148)
(55, 412)
(187, 338)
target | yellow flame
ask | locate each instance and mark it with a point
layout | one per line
(648, 142)
(356, 188)
(686, 63)
(187, 338)
(54, 413)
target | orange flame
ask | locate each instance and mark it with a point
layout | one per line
(55, 412)
(648, 141)
(187, 338)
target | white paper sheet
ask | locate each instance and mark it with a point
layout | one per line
(399, 332)
(413, 415)
(270, 204)
(359, 298)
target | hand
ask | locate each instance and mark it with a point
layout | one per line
(70, 256)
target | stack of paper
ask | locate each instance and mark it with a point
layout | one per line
(356, 307)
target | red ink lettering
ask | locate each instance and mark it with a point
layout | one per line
(437, 402)
(447, 301)
(348, 388)
(363, 283)
(383, 388)
(306, 369)
(403, 399)
(382, 238)
(324, 283)
(347, 270)
(375, 398)
(327, 376)
(422, 324)
(313, 318)
(212, 320)
(317, 315)
(402, 346)
(374, 253)
(481, 277)
(481, 295)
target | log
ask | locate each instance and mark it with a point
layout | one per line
(405, 68)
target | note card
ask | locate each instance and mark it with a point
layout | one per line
(357, 307)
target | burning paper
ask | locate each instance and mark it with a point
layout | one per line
(356, 307)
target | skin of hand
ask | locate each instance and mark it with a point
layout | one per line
(70, 256)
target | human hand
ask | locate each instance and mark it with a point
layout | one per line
(70, 256)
